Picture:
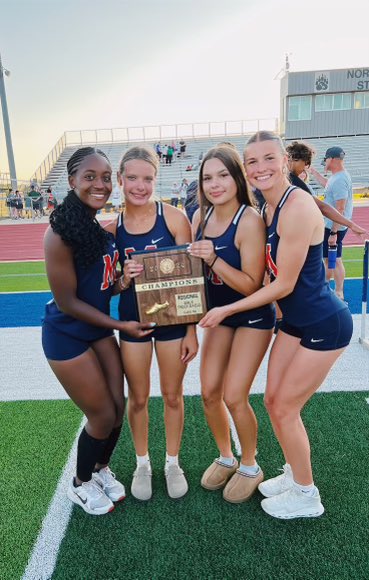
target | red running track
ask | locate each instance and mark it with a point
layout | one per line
(23, 242)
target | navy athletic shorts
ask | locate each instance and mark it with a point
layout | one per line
(261, 318)
(331, 333)
(60, 346)
(340, 235)
(161, 334)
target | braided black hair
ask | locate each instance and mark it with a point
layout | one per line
(72, 221)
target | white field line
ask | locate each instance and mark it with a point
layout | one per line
(45, 552)
(367, 400)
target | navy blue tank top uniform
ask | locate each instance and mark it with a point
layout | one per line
(312, 311)
(158, 237)
(220, 294)
(65, 337)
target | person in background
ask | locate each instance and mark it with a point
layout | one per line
(183, 192)
(158, 151)
(19, 204)
(175, 194)
(192, 202)
(170, 153)
(50, 200)
(35, 197)
(12, 197)
(7, 202)
(338, 194)
(182, 148)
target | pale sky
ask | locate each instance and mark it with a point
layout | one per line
(88, 64)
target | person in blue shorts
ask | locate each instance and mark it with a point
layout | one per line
(337, 193)
(148, 224)
(77, 331)
(316, 327)
(229, 236)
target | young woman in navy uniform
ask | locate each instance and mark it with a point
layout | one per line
(230, 238)
(316, 325)
(149, 224)
(77, 332)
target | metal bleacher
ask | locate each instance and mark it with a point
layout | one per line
(52, 173)
(168, 174)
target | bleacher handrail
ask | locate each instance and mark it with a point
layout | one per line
(49, 161)
(169, 131)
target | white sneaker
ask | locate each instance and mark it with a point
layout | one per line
(90, 497)
(106, 479)
(279, 484)
(141, 484)
(293, 503)
(177, 485)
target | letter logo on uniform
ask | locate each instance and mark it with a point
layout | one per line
(128, 251)
(213, 277)
(110, 266)
(271, 266)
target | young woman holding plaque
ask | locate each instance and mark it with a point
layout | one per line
(77, 331)
(316, 325)
(148, 224)
(229, 236)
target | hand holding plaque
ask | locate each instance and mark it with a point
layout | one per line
(171, 287)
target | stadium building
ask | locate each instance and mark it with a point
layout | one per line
(329, 107)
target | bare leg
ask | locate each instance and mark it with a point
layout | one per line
(84, 381)
(107, 351)
(248, 349)
(301, 378)
(136, 357)
(339, 277)
(172, 371)
(279, 359)
(216, 348)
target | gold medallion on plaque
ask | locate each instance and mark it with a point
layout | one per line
(170, 289)
(167, 266)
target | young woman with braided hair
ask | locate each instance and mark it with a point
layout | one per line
(77, 332)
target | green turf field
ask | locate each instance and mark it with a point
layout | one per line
(36, 437)
(200, 536)
(30, 276)
(23, 277)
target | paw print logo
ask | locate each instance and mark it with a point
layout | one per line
(321, 83)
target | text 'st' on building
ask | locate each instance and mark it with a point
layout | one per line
(324, 103)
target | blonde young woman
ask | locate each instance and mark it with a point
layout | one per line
(149, 224)
(316, 325)
(230, 238)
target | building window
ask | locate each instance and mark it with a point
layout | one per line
(337, 102)
(361, 100)
(299, 108)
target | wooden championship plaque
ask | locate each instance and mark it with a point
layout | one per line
(171, 289)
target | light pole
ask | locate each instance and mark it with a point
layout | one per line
(8, 137)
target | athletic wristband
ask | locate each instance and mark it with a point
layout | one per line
(213, 262)
(332, 234)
